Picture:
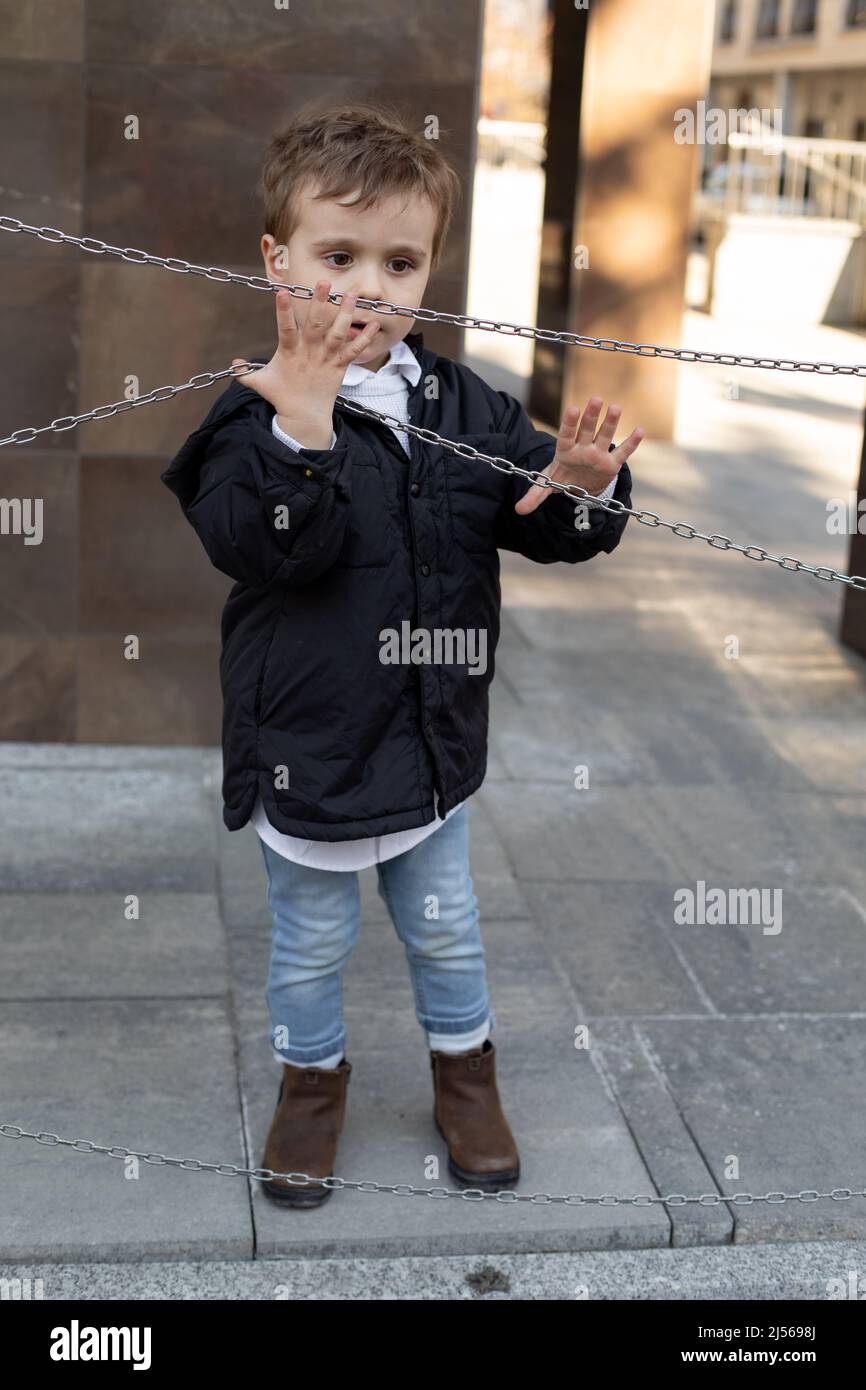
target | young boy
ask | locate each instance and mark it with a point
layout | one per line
(347, 540)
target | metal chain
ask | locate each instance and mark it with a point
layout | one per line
(682, 529)
(405, 1189)
(102, 412)
(384, 306)
(677, 528)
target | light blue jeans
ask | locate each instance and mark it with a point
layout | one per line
(316, 915)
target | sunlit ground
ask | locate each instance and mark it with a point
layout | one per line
(757, 456)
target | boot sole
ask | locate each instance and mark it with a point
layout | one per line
(297, 1197)
(487, 1182)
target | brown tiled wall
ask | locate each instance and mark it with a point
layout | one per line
(209, 80)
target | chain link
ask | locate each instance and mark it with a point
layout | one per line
(579, 494)
(572, 490)
(384, 306)
(102, 412)
(646, 518)
(406, 1189)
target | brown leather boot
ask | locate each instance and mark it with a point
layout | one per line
(304, 1132)
(469, 1116)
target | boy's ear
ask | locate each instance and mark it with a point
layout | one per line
(269, 247)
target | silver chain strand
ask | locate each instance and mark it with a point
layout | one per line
(384, 306)
(405, 1189)
(646, 518)
(677, 528)
(102, 412)
(682, 529)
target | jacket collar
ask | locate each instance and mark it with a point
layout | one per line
(415, 341)
(402, 361)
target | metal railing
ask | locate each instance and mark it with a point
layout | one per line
(787, 176)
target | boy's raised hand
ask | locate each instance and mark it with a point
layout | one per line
(304, 376)
(582, 456)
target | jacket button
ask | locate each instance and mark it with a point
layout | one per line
(415, 490)
(308, 472)
(425, 569)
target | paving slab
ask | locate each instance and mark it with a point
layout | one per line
(825, 750)
(204, 761)
(572, 832)
(661, 1134)
(152, 1075)
(627, 956)
(175, 946)
(678, 748)
(781, 1097)
(243, 882)
(616, 946)
(759, 837)
(120, 829)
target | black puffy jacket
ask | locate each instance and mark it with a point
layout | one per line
(332, 548)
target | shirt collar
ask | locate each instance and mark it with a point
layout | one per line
(401, 362)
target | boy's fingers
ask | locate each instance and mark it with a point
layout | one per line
(317, 318)
(608, 426)
(568, 429)
(345, 310)
(533, 498)
(287, 326)
(355, 346)
(249, 377)
(628, 446)
(586, 432)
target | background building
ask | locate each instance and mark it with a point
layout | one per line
(804, 57)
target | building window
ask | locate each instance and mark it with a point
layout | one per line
(767, 26)
(859, 129)
(855, 14)
(729, 22)
(804, 16)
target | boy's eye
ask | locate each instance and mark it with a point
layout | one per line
(399, 261)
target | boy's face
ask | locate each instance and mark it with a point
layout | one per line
(383, 251)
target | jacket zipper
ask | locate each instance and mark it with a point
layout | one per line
(396, 447)
(413, 460)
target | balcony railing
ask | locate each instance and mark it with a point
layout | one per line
(788, 176)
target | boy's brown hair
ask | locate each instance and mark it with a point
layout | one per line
(357, 146)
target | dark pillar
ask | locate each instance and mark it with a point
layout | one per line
(852, 632)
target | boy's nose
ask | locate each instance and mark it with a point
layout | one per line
(370, 291)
